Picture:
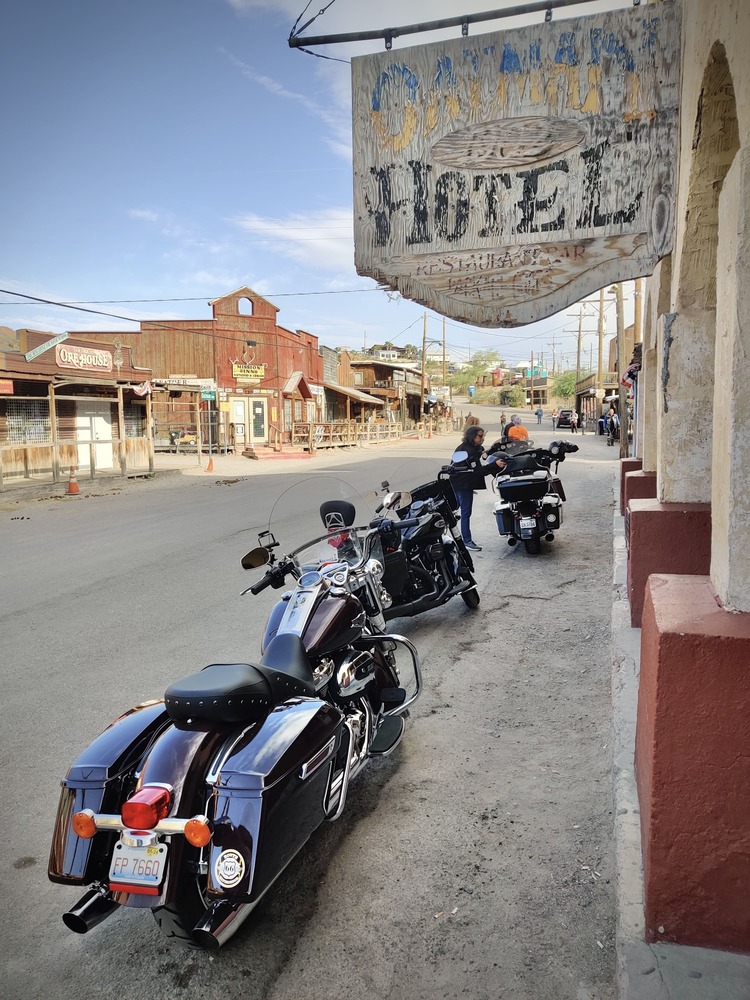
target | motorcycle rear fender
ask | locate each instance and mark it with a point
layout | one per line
(99, 779)
(271, 793)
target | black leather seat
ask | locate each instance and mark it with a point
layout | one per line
(243, 692)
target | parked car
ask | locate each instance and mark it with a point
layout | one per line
(563, 418)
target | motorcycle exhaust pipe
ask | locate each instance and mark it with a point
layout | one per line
(220, 921)
(90, 910)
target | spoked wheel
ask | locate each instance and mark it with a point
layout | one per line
(471, 598)
(533, 545)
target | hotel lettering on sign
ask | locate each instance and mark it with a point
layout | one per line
(500, 178)
(89, 359)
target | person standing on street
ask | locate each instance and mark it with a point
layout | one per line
(554, 419)
(503, 422)
(539, 414)
(516, 430)
(573, 422)
(470, 475)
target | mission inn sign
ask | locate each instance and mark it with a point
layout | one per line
(500, 178)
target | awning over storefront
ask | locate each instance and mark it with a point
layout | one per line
(360, 397)
(297, 383)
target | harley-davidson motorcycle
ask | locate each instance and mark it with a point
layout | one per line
(192, 805)
(426, 563)
(531, 495)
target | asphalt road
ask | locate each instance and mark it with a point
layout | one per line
(474, 862)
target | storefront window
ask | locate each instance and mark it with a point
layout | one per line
(28, 421)
(134, 420)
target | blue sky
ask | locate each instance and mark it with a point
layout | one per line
(160, 153)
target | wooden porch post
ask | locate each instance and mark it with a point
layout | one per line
(53, 433)
(121, 429)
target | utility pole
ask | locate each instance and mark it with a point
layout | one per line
(424, 363)
(622, 392)
(444, 374)
(599, 373)
(578, 351)
(531, 394)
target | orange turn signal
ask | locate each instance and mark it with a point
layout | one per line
(83, 824)
(198, 831)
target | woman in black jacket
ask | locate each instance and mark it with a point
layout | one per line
(469, 476)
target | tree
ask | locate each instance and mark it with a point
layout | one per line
(479, 364)
(512, 396)
(564, 385)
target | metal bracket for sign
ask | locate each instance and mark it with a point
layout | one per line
(46, 346)
(548, 15)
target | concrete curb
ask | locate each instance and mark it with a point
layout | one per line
(644, 971)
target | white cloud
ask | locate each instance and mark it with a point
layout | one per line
(322, 241)
(145, 214)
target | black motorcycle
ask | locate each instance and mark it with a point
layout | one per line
(531, 496)
(426, 563)
(192, 805)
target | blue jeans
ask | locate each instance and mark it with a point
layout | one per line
(466, 503)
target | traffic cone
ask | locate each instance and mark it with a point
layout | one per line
(210, 466)
(73, 483)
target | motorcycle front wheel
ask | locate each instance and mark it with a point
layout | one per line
(470, 598)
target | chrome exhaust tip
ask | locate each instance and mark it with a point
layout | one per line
(549, 537)
(90, 910)
(512, 541)
(220, 921)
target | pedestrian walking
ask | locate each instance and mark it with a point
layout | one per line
(503, 422)
(573, 422)
(583, 423)
(554, 418)
(539, 414)
(470, 475)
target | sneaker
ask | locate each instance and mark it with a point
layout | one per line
(473, 546)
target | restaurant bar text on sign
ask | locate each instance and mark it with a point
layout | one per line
(499, 178)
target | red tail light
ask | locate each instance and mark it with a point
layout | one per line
(146, 807)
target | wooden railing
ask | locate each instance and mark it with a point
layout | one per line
(315, 435)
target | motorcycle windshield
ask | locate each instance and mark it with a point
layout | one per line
(314, 539)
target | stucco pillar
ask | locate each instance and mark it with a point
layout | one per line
(692, 763)
(685, 396)
(730, 497)
(647, 382)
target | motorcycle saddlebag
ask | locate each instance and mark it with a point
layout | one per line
(274, 788)
(96, 780)
(552, 512)
(504, 518)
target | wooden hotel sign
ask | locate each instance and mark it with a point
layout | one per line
(500, 178)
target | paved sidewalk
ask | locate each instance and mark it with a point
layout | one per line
(659, 971)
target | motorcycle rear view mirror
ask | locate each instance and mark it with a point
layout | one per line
(256, 558)
(397, 500)
(459, 456)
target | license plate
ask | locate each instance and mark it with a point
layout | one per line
(528, 522)
(138, 866)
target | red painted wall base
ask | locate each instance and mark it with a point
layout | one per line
(629, 465)
(692, 763)
(664, 538)
(638, 485)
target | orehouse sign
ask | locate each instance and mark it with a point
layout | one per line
(499, 178)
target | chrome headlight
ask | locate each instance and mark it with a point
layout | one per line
(375, 568)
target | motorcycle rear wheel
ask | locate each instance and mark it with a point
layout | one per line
(470, 598)
(533, 545)
(177, 919)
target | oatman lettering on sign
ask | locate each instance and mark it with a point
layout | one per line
(500, 178)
